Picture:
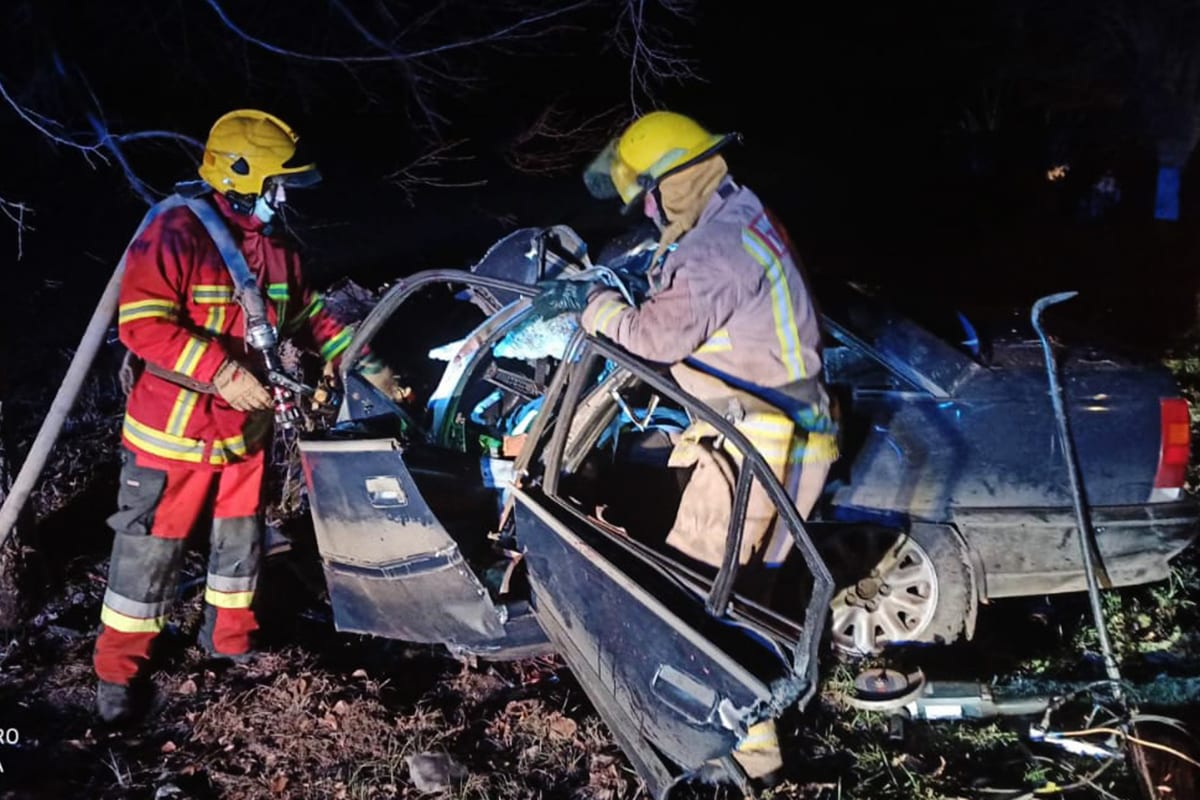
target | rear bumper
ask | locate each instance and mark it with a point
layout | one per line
(1024, 551)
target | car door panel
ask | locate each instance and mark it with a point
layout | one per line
(392, 568)
(675, 687)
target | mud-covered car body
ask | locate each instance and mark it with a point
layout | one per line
(522, 504)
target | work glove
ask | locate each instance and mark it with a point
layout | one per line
(381, 376)
(562, 296)
(238, 387)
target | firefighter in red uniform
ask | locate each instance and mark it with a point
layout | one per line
(197, 417)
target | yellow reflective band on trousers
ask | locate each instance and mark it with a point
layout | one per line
(814, 448)
(127, 624)
(145, 309)
(228, 599)
(771, 434)
(334, 347)
(781, 303)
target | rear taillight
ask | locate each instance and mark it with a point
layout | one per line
(1175, 445)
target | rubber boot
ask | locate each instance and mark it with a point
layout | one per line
(116, 703)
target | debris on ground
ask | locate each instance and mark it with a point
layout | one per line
(431, 773)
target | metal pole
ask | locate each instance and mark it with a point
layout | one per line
(68, 391)
(1086, 547)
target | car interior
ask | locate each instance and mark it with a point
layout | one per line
(617, 473)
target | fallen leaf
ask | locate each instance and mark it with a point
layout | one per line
(279, 784)
(563, 727)
(187, 687)
(340, 707)
(168, 747)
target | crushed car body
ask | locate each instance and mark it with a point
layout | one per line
(520, 504)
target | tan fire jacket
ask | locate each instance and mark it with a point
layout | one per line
(730, 311)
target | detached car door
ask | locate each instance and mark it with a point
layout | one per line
(677, 663)
(398, 513)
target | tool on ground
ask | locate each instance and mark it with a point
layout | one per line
(884, 689)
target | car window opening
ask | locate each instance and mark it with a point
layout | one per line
(617, 471)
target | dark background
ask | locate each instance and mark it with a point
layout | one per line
(856, 121)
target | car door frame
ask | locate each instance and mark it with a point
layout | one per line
(802, 685)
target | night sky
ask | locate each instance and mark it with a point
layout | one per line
(904, 144)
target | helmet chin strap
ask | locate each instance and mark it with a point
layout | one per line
(264, 210)
(259, 207)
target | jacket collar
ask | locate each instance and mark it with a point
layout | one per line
(246, 223)
(725, 190)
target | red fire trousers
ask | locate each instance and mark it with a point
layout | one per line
(158, 508)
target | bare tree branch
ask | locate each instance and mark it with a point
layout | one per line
(16, 212)
(654, 57)
(102, 145)
(48, 127)
(511, 31)
(556, 141)
(433, 118)
(423, 171)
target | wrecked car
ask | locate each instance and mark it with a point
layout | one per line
(520, 504)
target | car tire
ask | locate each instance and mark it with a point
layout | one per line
(894, 587)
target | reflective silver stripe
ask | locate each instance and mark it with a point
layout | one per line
(221, 583)
(135, 608)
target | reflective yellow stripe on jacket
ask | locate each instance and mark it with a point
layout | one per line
(781, 303)
(146, 309)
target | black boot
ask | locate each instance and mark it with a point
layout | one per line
(116, 703)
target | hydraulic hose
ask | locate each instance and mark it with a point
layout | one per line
(64, 400)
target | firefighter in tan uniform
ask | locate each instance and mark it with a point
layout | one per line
(198, 418)
(730, 312)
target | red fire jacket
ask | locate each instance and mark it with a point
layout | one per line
(177, 311)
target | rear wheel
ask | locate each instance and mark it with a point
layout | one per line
(894, 587)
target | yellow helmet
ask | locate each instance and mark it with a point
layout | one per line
(245, 147)
(651, 148)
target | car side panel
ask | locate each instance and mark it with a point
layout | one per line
(996, 445)
(1036, 551)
